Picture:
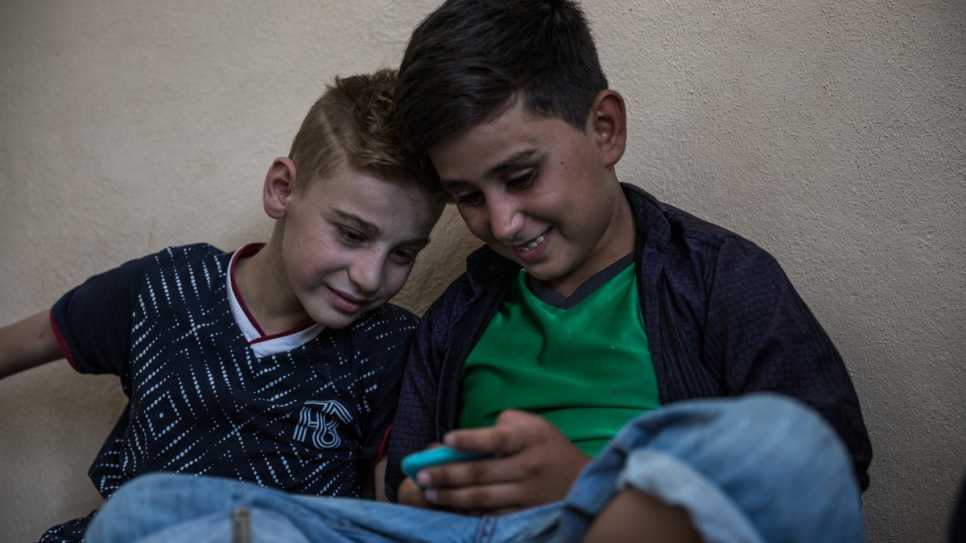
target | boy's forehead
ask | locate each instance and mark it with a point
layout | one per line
(348, 183)
(347, 175)
(507, 140)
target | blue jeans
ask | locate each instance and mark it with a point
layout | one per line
(755, 468)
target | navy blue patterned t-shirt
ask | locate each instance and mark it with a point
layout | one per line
(305, 411)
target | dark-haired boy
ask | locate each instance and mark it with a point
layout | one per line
(508, 101)
(591, 304)
(278, 363)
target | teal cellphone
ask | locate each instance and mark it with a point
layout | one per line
(416, 462)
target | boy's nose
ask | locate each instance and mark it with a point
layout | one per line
(506, 220)
(366, 272)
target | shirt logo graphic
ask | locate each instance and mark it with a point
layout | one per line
(322, 418)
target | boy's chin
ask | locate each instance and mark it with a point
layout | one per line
(335, 319)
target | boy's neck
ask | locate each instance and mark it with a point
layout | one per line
(616, 243)
(264, 287)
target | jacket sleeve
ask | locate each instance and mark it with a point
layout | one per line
(414, 426)
(767, 339)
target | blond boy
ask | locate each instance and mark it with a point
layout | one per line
(278, 363)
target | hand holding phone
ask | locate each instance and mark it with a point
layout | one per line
(536, 464)
(416, 462)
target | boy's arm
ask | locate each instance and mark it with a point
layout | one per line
(410, 494)
(27, 344)
(768, 340)
(414, 425)
(379, 476)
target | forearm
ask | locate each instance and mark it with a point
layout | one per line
(379, 479)
(27, 344)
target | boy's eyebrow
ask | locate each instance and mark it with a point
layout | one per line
(520, 158)
(417, 244)
(358, 222)
(372, 230)
(512, 162)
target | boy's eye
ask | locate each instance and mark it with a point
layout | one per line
(404, 256)
(469, 198)
(475, 197)
(522, 181)
(351, 236)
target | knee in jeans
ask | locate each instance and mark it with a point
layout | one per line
(794, 432)
(151, 488)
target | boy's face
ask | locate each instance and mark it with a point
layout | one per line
(538, 192)
(350, 241)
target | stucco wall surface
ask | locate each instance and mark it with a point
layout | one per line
(830, 132)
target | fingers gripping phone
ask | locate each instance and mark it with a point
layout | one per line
(416, 462)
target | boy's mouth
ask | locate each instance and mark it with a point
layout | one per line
(347, 302)
(533, 248)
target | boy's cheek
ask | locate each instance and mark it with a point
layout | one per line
(395, 282)
(476, 223)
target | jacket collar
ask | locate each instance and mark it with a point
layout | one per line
(650, 216)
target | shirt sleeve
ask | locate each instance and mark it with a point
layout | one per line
(92, 322)
(769, 340)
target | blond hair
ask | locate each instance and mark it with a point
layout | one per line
(351, 124)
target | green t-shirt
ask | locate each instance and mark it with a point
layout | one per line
(582, 363)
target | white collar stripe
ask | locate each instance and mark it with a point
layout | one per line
(263, 345)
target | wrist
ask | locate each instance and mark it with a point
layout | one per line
(410, 494)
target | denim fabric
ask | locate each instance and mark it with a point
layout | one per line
(755, 468)
(759, 468)
(163, 507)
(235, 527)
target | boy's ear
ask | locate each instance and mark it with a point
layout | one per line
(608, 121)
(279, 187)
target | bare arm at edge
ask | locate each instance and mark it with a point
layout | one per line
(27, 344)
(379, 476)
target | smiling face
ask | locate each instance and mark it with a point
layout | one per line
(350, 241)
(541, 193)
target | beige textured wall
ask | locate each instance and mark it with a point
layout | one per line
(831, 132)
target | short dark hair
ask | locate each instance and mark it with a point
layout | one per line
(352, 125)
(469, 60)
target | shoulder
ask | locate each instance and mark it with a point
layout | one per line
(692, 257)
(200, 262)
(170, 277)
(702, 238)
(134, 272)
(390, 315)
(675, 230)
(386, 325)
(680, 225)
(184, 254)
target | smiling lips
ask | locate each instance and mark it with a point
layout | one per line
(346, 302)
(534, 248)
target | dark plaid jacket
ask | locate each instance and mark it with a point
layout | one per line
(722, 319)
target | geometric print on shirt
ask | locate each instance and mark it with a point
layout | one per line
(309, 420)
